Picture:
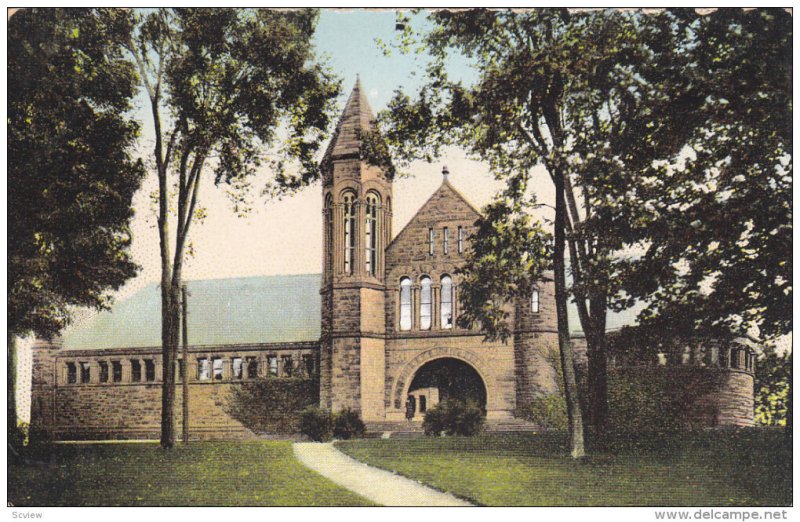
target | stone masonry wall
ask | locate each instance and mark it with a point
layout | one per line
(132, 410)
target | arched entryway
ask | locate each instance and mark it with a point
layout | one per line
(444, 378)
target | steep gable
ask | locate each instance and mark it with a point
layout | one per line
(445, 208)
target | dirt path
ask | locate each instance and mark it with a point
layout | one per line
(380, 486)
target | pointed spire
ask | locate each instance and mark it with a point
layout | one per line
(356, 117)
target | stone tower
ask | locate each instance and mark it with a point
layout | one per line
(357, 228)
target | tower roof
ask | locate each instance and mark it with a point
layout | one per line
(356, 117)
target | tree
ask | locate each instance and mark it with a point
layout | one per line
(544, 79)
(773, 387)
(616, 105)
(71, 176)
(714, 222)
(230, 90)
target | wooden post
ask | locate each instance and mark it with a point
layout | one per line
(185, 333)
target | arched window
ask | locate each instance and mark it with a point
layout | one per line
(349, 231)
(371, 233)
(447, 303)
(535, 301)
(328, 217)
(425, 303)
(405, 304)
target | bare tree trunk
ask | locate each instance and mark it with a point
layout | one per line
(170, 336)
(11, 398)
(185, 382)
(576, 442)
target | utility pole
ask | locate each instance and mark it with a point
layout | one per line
(185, 383)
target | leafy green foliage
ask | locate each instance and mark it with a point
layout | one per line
(348, 425)
(71, 176)
(549, 412)
(272, 406)
(453, 417)
(505, 265)
(231, 91)
(714, 219)
(668, 133)
(316, 424)
(773, 386)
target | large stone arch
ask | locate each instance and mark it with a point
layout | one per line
(403, 378)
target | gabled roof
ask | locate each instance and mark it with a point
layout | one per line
(263, 309)
(356, 117)
(445, 190)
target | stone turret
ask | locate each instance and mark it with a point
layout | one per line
(357, 199)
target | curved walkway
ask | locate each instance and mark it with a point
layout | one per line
(380, 486)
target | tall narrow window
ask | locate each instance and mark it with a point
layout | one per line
(252, 368)
(308, 362)
(328, 217)
(237, 368)
(425, 303)
(272, 362)
(349, 232)
(203, 369)
(431, 245)
(136, 370)
(405, 304)
(460, 240)
(372, 234)
(72, 373)
(445, 239)
(149, 370)
(216, 368)
(116, 371)
(447, 303)
(103, 371)
(535, 301)
(85, 372)
(288, 365)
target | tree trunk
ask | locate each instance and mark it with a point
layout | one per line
(576, 442)
(170, 335)
(597, 377)
(11, 398)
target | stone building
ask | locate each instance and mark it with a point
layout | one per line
(377, 327)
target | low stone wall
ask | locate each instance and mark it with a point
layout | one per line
(133, 411)
(99, 404)
(646, 397)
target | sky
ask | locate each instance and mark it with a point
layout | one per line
(285, 237)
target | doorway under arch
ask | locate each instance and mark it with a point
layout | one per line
(446, 378)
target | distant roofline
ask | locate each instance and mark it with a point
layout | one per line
(288, 345)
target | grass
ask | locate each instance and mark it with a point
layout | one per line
(720, 468)
(263, 473)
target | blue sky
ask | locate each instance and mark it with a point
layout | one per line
(348, 38)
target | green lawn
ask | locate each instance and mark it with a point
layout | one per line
(717, 468)
(262, 473)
